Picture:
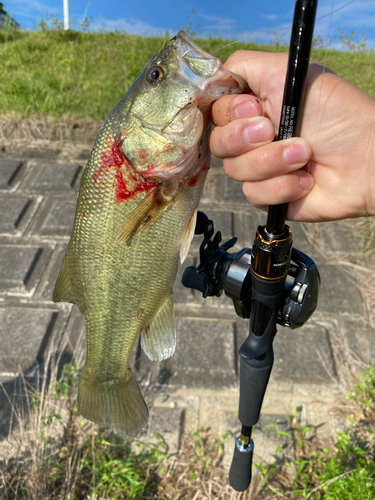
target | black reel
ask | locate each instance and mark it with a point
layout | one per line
(220, 271)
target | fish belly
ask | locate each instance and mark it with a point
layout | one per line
(123, 289)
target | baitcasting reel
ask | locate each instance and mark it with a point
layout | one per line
(220, 271)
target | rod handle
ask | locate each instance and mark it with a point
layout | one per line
(240, 471)
(253, 385)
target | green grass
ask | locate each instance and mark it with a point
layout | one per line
(83, 75)
(347, 471)
(68, 457)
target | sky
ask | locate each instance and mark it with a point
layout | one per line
(260, 22)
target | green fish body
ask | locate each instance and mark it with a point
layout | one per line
(135, 218)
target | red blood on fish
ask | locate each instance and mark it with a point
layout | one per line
(196, 177)
(116, 159)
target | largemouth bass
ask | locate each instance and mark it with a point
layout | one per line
(134, 218)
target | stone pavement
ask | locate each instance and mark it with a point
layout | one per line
(198, 386)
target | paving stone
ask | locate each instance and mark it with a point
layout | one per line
(338, 292)
(11, 173)
(335, 238)
(214, 406)
(47, 283)
(211, 303)
(181, 294)
(229, 191)
(29, 331)
(74, 339)
(216, 163)
(55, 219)
(167, 423)
(190, 404)
(296, 355)
(362, 344)
(45, 153)
(302, 243)
(245, 226)
(84, 154)
(205, 355)
(223, 222)
(10, 405)
(53, 178)
(21, 268)
(16, 213)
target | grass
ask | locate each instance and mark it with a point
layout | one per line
(51, 72)
(53, 453)
(345, 472)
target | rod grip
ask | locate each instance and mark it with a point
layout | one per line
(253, 385)
(240, 471)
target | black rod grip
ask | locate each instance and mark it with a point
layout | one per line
(240, 471)
(253, 385)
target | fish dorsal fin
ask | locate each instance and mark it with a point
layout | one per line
(144, 216)
(188, 236)
(159, 340)
(63, 291)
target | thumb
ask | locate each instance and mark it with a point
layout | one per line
(265, 72)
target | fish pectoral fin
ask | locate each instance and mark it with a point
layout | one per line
(144, 216)
(63, 291)
(159, 340)
(188, 236)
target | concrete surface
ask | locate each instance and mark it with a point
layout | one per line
(198, 386)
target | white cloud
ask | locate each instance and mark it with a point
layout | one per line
(130, 25)
(216, 25)
(270, 17)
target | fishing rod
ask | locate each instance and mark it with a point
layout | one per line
(272, 283)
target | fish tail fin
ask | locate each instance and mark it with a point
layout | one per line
(119, 406)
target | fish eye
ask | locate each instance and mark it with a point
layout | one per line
(155, 74)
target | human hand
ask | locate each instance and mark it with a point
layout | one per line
(326, 174)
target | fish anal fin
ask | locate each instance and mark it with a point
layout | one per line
(144, 216)
(118, 405)
(188, 237)
(63, 291)
(159, 340)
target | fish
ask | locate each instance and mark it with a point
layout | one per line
(135, 218)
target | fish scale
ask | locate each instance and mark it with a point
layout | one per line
(134, 218)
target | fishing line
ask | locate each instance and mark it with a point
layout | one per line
(283, 28)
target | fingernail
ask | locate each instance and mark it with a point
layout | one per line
(246, 109)
(306, 181)
(257, 132)
(296, 153)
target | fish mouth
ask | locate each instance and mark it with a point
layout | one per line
(206, 79)
(205, 71)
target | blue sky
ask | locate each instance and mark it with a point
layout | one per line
(250, 20)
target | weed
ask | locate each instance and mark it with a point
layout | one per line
(343, 473)
(70, 457)
(52, 72)
(351, 43)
